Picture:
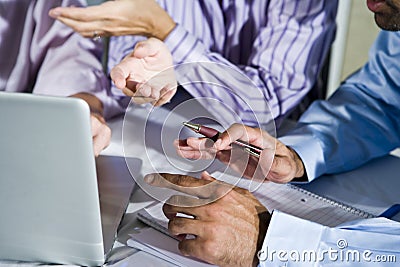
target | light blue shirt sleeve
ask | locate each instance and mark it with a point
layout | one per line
(360, 121)
(369, 242)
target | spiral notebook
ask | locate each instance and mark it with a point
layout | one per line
(287, 198)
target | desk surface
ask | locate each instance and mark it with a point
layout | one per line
(373, 187)
(148, 136)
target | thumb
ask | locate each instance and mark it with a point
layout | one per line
(118, 77)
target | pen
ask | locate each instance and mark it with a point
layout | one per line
(214, 134)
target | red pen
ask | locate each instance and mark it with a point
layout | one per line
(214, 134)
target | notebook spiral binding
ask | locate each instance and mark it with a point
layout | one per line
(356, 211)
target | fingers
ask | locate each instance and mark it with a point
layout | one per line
(253, 136)
(84, 14)
(234, 132)
(200, 143)
(210, 190)
(166, 96)
(145, 90)
(119, 74)
(128, 73)
(194, 154)
(184, 204)
(84, 20)
(186, 151)
(280, 171)
(190, 247)
(195, 148)
(141, 100)
(195, 246)
(286, 164)
(171, 180)
(200, 248)
(182, 225)
(101, 133)
(147, 74)
(265, 160)
(193, 143)
(149, 93)
(86, 29)
(131, 74)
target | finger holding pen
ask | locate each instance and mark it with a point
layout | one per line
(240, 132)
(195, 148)
(190, 148)
(278, 163)
(271, 159)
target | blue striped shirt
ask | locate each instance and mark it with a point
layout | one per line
(268, 53)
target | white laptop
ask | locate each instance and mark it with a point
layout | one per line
(53, 206)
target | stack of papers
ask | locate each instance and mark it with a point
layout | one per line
(162, 246)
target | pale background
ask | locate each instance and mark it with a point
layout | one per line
(361, 34)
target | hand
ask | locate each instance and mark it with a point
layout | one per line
(237, 159)
(114, 18)
(277, 162)
(101, 133)
(147, 74)
(228, 231)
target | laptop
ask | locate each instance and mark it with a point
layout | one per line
(55, 206)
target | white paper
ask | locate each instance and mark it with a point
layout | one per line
(162, 246)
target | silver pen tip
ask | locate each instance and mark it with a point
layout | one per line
(192, 126)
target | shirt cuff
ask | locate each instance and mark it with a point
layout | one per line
(184, 47)
(287, 234)
(310, 151)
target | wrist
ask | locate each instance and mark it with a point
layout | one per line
(95, 105)
(162, 25)
(300, 174)
(164, 30)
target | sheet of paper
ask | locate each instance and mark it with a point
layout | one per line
(162, 246)
(299, 202)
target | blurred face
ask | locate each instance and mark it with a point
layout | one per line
(387, 13)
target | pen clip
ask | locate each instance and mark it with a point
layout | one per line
(251, 152)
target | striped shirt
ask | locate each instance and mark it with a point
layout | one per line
(256, 59)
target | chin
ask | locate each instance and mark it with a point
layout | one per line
(388, 23)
